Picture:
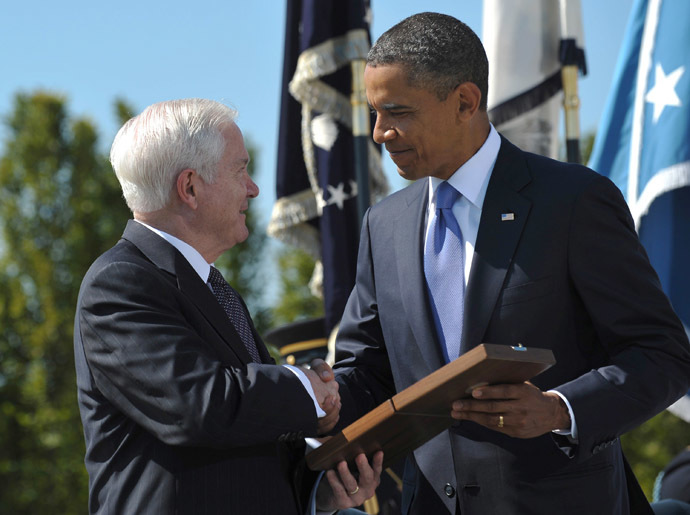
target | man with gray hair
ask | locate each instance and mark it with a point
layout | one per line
(496, 245)
(184, 411)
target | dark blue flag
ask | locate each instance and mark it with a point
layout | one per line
(643, 143)
(316, 188)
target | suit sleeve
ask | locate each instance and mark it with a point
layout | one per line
(148, 360)
(363, 369)
(648, 359)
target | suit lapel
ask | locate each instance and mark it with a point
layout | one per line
(497, 239)
(411, 273)
(168, 259)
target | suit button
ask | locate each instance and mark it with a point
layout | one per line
(449, 490)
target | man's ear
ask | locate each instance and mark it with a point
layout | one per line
(468, 98)
(188, 183)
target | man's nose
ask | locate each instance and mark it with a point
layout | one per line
(252, 189)
(382, 133)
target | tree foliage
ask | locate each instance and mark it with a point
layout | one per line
(60, 206)
(651, 446)
(296, 301)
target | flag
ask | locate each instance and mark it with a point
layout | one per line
(525, 86)
(316, 187)
(643, 143)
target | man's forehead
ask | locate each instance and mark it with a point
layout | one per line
(390, 90)
(241, 157)
(379, 70)
(236, 150)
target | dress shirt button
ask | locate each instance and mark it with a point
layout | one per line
(449, 490)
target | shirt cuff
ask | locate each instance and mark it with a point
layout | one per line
(311, 509)
(307, 386)
(572, 433)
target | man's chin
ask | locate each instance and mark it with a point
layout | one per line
(240, 236)
(407, 174)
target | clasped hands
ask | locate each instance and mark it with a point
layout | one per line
(343, 488)
(517, 410)
(321, 377)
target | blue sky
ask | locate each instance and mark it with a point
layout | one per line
(230, 51)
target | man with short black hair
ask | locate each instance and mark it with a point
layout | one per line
(495, 245)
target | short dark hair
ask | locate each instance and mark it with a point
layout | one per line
(438, 52)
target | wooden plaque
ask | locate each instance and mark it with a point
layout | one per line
(421, 411)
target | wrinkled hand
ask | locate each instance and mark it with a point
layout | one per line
(321, 377)
(518, 410)
(343, 490)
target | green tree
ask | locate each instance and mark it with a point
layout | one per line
(651, 446)
(297, 302)
(61, 207)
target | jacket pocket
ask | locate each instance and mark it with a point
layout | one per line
(527, 291)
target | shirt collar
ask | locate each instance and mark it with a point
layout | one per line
(472, 178)
(192, 255)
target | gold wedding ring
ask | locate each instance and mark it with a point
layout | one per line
(355, 490)
(500, 421)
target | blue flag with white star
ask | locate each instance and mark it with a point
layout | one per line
(316, 186)
(643, 143)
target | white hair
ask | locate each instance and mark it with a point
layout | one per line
(151, 149)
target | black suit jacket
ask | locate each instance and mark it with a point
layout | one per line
(568, 274)
(176, 417)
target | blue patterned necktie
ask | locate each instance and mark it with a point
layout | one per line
(229, 299)
(444, 269)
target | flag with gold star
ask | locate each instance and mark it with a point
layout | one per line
(643, 143)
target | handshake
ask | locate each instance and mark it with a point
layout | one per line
(325, 388)
(343, 489)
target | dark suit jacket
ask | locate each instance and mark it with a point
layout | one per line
(176, 417)
(568, 274)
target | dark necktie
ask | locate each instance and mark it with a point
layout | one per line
(229, 299)
(444, 269)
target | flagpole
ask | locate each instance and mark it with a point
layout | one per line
(361, 133)
(572, 59)
(571, 100)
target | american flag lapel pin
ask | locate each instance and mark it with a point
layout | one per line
(507, 217)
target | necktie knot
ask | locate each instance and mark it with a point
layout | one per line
(444, 220)
(216, 279)
(446, 196)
